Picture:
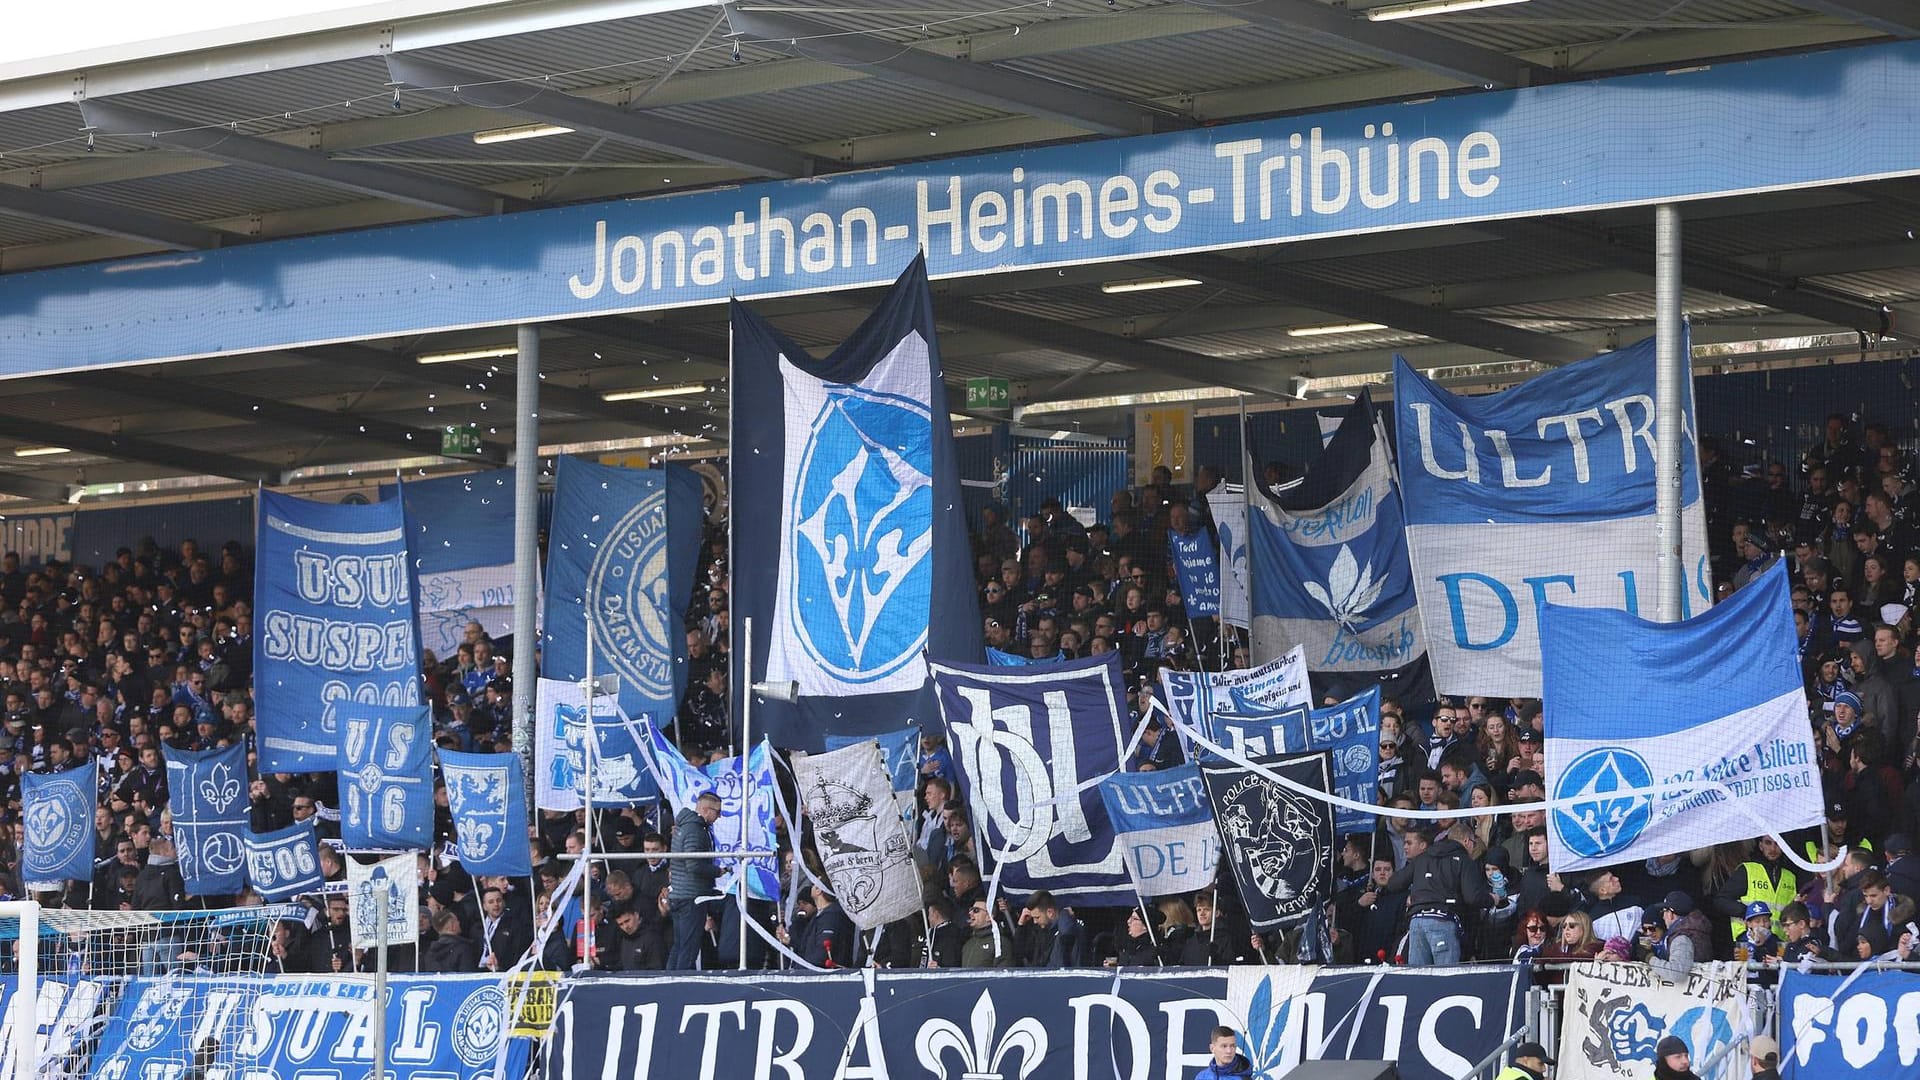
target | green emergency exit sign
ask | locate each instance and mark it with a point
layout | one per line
(459, 442)
(988, 394)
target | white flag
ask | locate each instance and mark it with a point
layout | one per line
(863, 842)
(399, 876)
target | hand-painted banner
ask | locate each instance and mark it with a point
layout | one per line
(1348, 732)
(336, 622)
(902, 752)
(1029, 742)
(1165, 827)
(1540, 494)
(560, 751)
(487, 795)
(862, 839)
(1616, 1013)
(1855, 1026)
(870, 535)
(460, 530)
(1278, 842)
(1194, 697)
(284, 863)
(57, 812)
(1435, 1024)
(399, 878)
(1749, 734)
(1196, 570)
(621, 555)
(681, 782)
(207, 794)
(67, 1014)
(1228, 505)
(386, 776)
(1329, 568)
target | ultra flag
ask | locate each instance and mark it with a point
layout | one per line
(869, 537)
(460, 531)
(1193, 697)
(1278, 842)
(386, 776)
(1029, 742)
(487, 795)
(336, 623)
(621, 555)
(57, 810)
(1747, 735)
(863, 843)
(285, 862)
(207, 792)
(1166, 830)
(1329, 567)
(1542, 494)
(560, 751)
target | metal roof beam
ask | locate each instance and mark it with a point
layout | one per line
(32, 487)
(1901, 18)
(105, 218)
(1393, 43)
(1001, 88)
(1293, 286)
(1129, 352)
(114, 120)
(539, 102)
(130, 448)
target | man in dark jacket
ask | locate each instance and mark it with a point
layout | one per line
(1442, 883)
(689, 879)
(946, 935)
(830, 933)
(1371, 912)
(1688, 939)
(159, 886)
(450, 950)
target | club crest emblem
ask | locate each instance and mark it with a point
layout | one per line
(631, 610)
(1611, 821)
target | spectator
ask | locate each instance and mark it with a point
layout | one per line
(1227, 1061)
(1687, 940)
(984, 947)
(450, 950)
(690, 879)
(1442, 887)
(944, 936)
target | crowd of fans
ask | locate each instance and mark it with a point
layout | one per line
(155, 649)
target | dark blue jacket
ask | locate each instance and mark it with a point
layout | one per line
(1240, 1067)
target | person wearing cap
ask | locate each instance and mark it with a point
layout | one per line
(1753, 550)
(1764, 877)
(1902, 869)
(1530, 1062)
(1757, 940)
(1839, 837)
(1672, 1060)
(1688, 940)
(1763, 1057)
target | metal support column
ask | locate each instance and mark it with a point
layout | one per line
(526, 543)
(1673, 368)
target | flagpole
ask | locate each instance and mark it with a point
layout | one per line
(746, 774)
(591, 739)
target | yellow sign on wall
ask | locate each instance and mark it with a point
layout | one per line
(1162, 436)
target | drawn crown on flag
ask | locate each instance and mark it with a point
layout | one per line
(838, 803)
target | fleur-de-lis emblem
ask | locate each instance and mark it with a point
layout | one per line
(980, 1056)
(1350, 589)
(219, 787)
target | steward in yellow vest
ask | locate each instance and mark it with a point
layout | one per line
(1767, 877)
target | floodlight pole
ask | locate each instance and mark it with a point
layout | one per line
(526, 543)
(1672, 369)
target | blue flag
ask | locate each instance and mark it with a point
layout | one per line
(336, 624)
(681, 782)
(622, 551)
(1166, 828)
(853, 528)
(1349, 732)
(285, 862)
(901, 750)
(1196, 569)
(207, 793)
(58, 811)
(487, 794)
(386, 777)
(460, 530)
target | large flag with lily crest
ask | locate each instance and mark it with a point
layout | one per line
(1728, 713)
(856, 532)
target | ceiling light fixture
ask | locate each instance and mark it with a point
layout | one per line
(1147, 285)
(515, 134)
(680, 390)
(467, 354)
(1433, 7)
(39, 451)
(1334, 328)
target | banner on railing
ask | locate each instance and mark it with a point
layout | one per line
(66, 1011)
(1616, 1013)
(1867, 1026)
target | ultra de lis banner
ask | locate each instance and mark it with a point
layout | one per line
(1328, 561)
(1616, 1013)
(487, 795)
(285, 862)
(1539, 494)
(57, 812)
(621, 555)
(386, 776)
(1747, 737)
(1279, 842)
(207, 792)
(858, 531)
(460, 529)
(858, 830)
(336, 622)
(1027, 742)
(1862, 1026)
(1165, 827)
(1039, 1025)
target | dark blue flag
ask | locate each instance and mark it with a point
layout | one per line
(285, 862)
(850, 530)
(622, 551)
(1348, 732)
(386, 777)
(487, 794)
(207, 793)
(58, 811)
(1196, 569)
(460, 531)
(336, 624)
(1278, 840)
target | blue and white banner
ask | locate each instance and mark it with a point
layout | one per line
(398, 878)
(865, 846)
(1194, 697)
(207, 794)
(1348, 732)
(57, 810)
(1032, 1025)
(67, 1007)
(1167, 838)
(1227, 503)
(439, 1027)
(1329, 569)
(386, 776)
(1196, 570)
(284, 863)
(1865, 1025)
(1615, 1015)
(621, 554)
(1745, 743)
(1279, 843)
(1541, 494)
(681, 782)
(870, 538)
(560, 751)
(901, 750)
(335, 621)
(487, 795)
(460, 530)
